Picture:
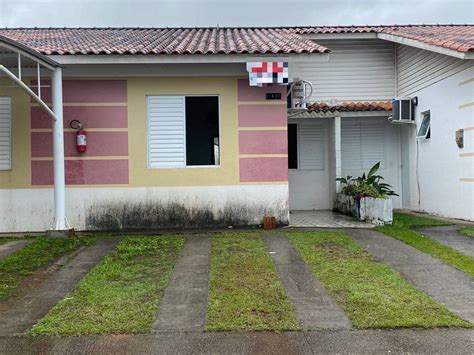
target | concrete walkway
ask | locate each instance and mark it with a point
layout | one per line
(184, 303)
(450, 236)
(313, 307)
(18, 315)
(11, 247)
(437, 341)
(447, 285)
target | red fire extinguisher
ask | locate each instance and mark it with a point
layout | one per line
(81, 136)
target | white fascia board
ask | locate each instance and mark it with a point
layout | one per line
(317, 36)
(425, 46)
(177, 59)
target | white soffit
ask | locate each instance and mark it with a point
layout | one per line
(425, 46)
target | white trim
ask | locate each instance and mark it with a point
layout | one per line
(425, 46)
(189, 58)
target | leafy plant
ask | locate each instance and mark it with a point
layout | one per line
(370, 185)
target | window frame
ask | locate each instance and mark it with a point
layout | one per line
(424, 115)
(10, 167)
(185, 166)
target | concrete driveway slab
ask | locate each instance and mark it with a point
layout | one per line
(406, 341)
(447, 285)
(184, 303)
(313, 307)
(449, 235)
(11, 247)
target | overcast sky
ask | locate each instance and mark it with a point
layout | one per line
(162, 13)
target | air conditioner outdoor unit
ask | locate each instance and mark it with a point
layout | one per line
(403, 110)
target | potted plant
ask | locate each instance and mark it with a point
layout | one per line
(366, 197)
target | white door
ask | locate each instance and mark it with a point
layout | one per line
(308, 169)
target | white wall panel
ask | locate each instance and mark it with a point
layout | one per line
(418, 68)
(357, 70)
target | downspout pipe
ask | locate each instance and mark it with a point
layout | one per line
(60, 223)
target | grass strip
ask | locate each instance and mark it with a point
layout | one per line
(401, 230)
(30, 258)
(245, 292)
(119, 295)
(372, 294)
(468, 232)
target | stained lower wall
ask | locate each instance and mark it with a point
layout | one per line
(141, 208)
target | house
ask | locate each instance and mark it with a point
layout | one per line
(177, 136)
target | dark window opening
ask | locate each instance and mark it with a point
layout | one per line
(292, 146)
(202, 130)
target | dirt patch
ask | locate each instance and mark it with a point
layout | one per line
(337, 251)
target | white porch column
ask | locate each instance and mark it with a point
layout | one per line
(60, 220)
(337, 150)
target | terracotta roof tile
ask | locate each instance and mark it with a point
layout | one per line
(456, 37)
(63, 41)
(350, 106)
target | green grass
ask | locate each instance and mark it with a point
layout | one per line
(121, 294)
(245, 292)
(372, 294)
(30, 258)
(401, 230)
(468, 231)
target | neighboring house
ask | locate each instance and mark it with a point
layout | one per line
(176, 136)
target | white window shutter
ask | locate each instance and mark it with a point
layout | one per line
(362, 143)
(350, 144)
(373, 143)
(5, 133)
(166, 131)
(311, 147)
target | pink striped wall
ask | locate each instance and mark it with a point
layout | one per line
(91, 94)
(257, 140)
(91, 116)
(92, 91)
(263, 142)
(256, 93)
(98, 144)
(80, 172)
(263, 169)
(262, 115)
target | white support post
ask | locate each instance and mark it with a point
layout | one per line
(60, 223)
(337, 151)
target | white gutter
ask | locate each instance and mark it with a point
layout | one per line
(61, 223)
(425, 46)
(178, 59)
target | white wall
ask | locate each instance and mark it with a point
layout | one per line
(27, 210)
(360, 70)
(445, 172)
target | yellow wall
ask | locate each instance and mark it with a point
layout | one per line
(20, 175)
(139, 173)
